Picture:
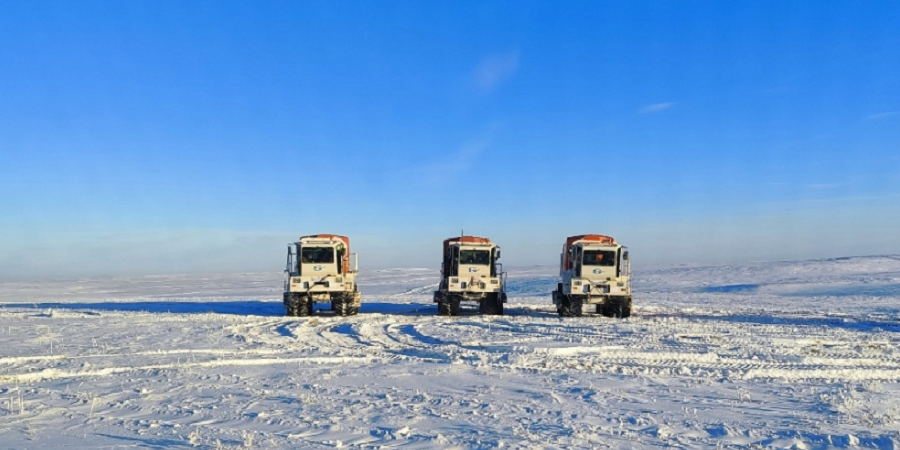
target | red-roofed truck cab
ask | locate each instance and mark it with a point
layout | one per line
(470, 273)
(318, 271)
(595, 269)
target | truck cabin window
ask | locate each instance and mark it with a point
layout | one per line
(317, 255)
(475, 257)
(599, 258)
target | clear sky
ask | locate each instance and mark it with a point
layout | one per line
(165, 136)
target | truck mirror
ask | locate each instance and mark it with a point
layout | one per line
(625, 256)
(498, 252)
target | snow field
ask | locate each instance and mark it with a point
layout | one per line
(782, 355)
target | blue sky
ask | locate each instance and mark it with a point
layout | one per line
(154, 137)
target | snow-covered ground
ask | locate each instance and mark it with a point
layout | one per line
(781, 355)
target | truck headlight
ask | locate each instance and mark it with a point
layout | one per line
(495, 281)
(577, 283)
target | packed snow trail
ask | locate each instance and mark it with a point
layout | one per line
(714, 357)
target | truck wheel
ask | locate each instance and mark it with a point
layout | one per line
(343, 306)
(448, 307)
(624, 309)
(491, 304)
(303, 305)
(570, 306)
(286, 300)
(347, 309)
(606, 308)
(296, 304)
(617, 307)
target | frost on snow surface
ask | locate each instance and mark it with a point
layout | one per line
(802, 355)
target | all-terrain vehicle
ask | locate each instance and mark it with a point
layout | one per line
(596, 270)
(318, 271)
(470, 273)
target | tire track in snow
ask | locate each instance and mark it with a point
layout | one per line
(676, 346)
(696, 343)
(160, 352)
(54, 374)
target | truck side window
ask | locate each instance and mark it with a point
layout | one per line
(493, 262)
(577, 261)
(297, 261)
(454, 261)
(619, 261)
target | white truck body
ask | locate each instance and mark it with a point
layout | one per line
(318, 271)
(594, 269)
(470, 272)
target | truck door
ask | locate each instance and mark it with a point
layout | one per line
(494, 261)
(619, 263)
(290, 267)
(340, 259)
(577, 260)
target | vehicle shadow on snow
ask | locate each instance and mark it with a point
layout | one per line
(400, 309)
(274, 308)
(238, 307)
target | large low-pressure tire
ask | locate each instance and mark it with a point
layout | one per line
(617, 307)
(624, 307)
(491, 304)
(569, 306)
(347, 309)
(343, 306)
(297, 304)
(606, 308)
(304, 305)
(448, 307)
(288, 306)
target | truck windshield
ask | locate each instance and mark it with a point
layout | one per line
(599, 258)
(317, 255)
(478, 257)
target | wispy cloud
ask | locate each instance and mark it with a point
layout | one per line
(825, 185)
(882, 115)
(494, 70)
(656, 107)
